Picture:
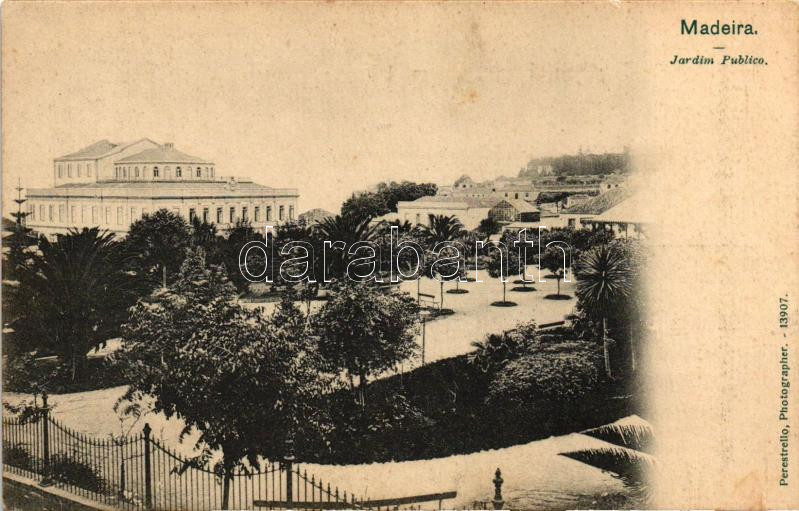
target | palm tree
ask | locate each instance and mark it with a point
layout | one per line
(348, 229)
(442, 229)
(604, 283)
(77, 294)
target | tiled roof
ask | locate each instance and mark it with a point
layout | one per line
(520, 205)
(95, 150)
(600, 203)
(100, 149)
(469, 202)
(631, 210)
(162, 154)
(161, 189)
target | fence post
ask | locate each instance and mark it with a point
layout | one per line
(148, 483)
(288, 460)
(45, 415)
(498, 501)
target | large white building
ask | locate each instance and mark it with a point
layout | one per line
(111, 185)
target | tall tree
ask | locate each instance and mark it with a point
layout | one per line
(368, 205)
(246, 382)
(503, 263)
(159, 241)
(443, 229)
(346, 229)
(604, 284)
(230, 245)
(553, 259)
(77, 293)
(364, 331)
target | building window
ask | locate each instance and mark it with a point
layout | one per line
(167, 172)
(61, 213)
(269, 213)
(120, 215)
(69, 170)
(50, 212)
(33, 212)
(60, 170)
(178, 172)
(80, 169)
(257, 214)
(205, 215)
(212, 172)
(291, 212)
(125, 172)
(74, 214)
(244, 213)
(199, 172)
(41, 213)
(89, 170)
(83, 214)
(155, 171)
(94, 214)
(132, 215)
(516, 195)
(107, 215)
(232, 214)
(191, 214)
(136, 171)
(281, 212)
(219, 215)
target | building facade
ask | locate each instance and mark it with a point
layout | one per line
(110, 186)
(469, 210)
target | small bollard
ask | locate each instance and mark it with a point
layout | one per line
(498, 501)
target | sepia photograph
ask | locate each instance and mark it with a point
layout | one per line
(388, 256)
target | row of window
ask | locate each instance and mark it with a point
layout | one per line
(125, 172)
(78, 167)
(219, 214)
(95, 214)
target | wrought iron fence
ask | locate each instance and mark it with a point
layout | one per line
(139, 472)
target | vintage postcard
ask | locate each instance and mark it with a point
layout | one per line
(400, 255)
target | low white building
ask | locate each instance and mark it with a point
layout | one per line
(110, 186)
(469, 210)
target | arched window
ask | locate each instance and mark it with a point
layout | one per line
(178, 172)
(155, 171)
(212, 172)
(136, 170)
(199, 172)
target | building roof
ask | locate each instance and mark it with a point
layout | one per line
(521, 206)
(162, 154)
(453, 201)
(161, 190)
(600, 203)
(99, 150)
(630, 211)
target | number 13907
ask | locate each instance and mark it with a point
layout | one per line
(783, 313)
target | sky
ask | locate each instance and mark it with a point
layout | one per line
(327, 98)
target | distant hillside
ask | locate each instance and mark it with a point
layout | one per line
(579, 164)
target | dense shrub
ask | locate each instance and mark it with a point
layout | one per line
(67, 470)
(562, 371)
(17, 456)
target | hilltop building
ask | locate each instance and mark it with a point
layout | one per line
(110, 186)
